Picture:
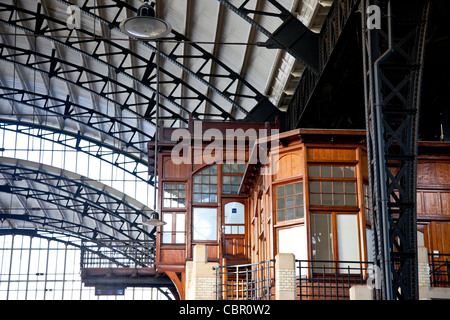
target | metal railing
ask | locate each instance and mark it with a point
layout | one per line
(246, 282)
(115, 254)
(329, 280)
(439, 269)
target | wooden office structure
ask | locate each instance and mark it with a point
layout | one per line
(305, 194)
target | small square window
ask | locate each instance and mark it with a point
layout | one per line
(289, 200)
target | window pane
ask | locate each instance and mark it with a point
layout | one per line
(349, 172)
(167, 228)
(234, 213)
(180, 228)
(322, 236)
(339, 200)
(289, 189)
(327, 199)
(299, 187)
(290, 214)
(280, 191)
(338, 172)
(338, 187)
(350, 200)
(281, 203)
(205, 224)
(314, 171)
(299, 200)
(293, 240)
(350, 187)
(314, 186)
(315, 199)
(299, 213)
(348, 243)
(289, 202)
(281, 215)
(326, 172)
(327, 187)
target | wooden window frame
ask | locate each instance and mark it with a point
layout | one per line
(334, 227)
(275, 202)
(201, 184)
(231, 174)
(332, 179)
(164, 198)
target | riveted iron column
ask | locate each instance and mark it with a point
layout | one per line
(393, 51)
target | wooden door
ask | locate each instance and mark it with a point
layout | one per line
(234, 239)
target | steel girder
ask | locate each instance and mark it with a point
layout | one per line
(393, 62)
(329, 37)
(93, 41)
(202, 57)
(74, 204)
(291, 35)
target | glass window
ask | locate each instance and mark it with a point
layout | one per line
(174, 229)
(347, 232)
(289, 202)
(231, 177)
(205, 224)
(324, 171)
(338, 190)
(234, 218)
(322, 236)
(342, 230)
(174, 195)
(205, 185)
(293, 240)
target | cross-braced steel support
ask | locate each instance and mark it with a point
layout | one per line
(393, 50)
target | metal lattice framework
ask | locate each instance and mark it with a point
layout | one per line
(291, 34)
(393, 64)
(45, 197)
(142, 72)
(92, 89)
(328, 39)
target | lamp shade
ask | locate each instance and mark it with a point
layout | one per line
(145, 25)
(154, 220)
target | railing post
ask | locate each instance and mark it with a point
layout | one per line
(285, 276)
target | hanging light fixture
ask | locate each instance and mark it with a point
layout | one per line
(145, 26)
(154, 220)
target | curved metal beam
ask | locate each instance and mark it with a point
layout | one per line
(89, 199)
(84, 115)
